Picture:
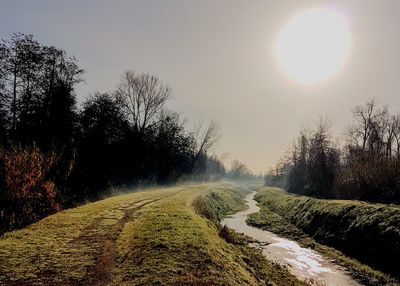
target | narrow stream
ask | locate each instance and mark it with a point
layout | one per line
(306, 264)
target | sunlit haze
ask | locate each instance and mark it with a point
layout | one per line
(313, 45)
(262, 69)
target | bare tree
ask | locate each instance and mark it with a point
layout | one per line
(12, 64)
(204, 140)
(367, 119)
(391, 125)
(31, 78)
(396, 133)
(239, 170)
(143, 97)
(3, 97)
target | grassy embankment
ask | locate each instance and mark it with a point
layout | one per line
(368, 232)
(144, 238)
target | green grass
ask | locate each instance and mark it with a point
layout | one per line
(328, 225)
(153, 237)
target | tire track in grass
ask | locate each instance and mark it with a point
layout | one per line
(96, 245)
(101, 272)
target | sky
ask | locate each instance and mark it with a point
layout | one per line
(218, 58)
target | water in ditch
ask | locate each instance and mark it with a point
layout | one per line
(306, 264)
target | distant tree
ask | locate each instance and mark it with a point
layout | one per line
(143, 97)
(3, 97)
(58, 114)
(323, 160)
(37, 99)
(172, 148)
(103, 128)
(239, 170)
(366, 168)
(298, 169)
(204, 140)
(366, 120)
(370, 171)
(311, 164)
(12, 70)
(396, 134)
(215, 168)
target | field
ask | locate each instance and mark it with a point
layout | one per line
(151, 237)
(360, 236)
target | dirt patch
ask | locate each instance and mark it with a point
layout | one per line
(101, 272)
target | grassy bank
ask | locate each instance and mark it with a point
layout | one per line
(153, 238)
(368, 232)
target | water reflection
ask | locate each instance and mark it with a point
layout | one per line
(306, 264)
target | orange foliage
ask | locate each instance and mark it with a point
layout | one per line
(29, 192)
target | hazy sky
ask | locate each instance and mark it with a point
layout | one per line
(218, 58)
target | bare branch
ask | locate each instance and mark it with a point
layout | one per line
(143, 97)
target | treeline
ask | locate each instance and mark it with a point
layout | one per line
(54, 154)
(366, 167)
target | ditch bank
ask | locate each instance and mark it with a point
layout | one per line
(306, 264)
(369, 233)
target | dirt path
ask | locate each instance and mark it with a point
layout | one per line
(101, 272)
(75, 247)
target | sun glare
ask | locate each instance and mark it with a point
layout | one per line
(313, 45)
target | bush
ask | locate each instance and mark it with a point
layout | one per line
(27, 192)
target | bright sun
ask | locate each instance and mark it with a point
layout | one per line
(313, 46)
